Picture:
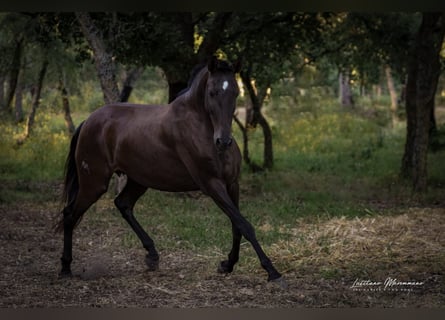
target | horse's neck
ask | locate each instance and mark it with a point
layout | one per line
(195, 96)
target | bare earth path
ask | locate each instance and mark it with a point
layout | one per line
(108, 273)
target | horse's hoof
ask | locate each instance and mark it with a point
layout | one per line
(152, 263)
(224, 267)
(280, 282)
(65, 274)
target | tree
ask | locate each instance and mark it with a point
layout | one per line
(174, 41)
(37, 90)
(423, 74)
(15, 28)
(66, 105)
(103, 57)
(131, 77)
(370, 43)
(271, 46)
(392, 93)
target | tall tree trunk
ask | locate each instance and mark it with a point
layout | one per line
(2, 92)
(213, 37)
(130, 79)
(243, 129)
(257, 99)
(392, 94)
(423, 75)
(268, 146)
(35, 100)
(66, 106)
(176, 83)
(19, 101)
(14, 74)
(253, 167)
(410, 107)
(402, 97)
(345, 92)
(103, 59)
(177, 71)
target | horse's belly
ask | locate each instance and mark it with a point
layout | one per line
(169, 183)
(163, 174)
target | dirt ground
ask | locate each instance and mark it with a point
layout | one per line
(109, 274)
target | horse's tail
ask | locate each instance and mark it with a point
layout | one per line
(71, 182)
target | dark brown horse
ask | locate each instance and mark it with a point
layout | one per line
(183, 146)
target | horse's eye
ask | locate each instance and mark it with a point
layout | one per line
(213, 93)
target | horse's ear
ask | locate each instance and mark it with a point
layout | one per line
(237, 65)
(212, 64)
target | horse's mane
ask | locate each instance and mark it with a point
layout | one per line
(196, 69)
(221, 65)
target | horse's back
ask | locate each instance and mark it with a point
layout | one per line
(126, 112)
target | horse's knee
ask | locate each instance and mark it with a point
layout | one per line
(119, 202)
(124, 207)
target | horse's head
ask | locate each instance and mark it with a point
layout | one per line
(220, 100)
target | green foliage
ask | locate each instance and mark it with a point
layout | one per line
(41, 157)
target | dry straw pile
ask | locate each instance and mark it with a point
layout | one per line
(409, 242)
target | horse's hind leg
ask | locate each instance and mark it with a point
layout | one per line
(88, 194)
(125, 202)
(67, 255)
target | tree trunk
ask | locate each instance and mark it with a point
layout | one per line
(212, 40)
(246, 156)
(2, 92)
(128, 85)
(19, 101)
(268, 146)
(402, 97)
(253, 167)
(103, 59)
(423, 75)
(177, 80)
(177, 70)
(257, 99)
(35, 100)
(14, 74)
(410, 107)
(392, 93)
(345, 89)
(66, 107)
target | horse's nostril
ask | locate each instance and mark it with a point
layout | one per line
(222, 143)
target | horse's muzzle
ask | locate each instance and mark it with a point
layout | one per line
(223, 143)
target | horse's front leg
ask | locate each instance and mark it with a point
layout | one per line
(218, 191)
(226, 266)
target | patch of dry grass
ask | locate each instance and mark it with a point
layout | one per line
(410, 242)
